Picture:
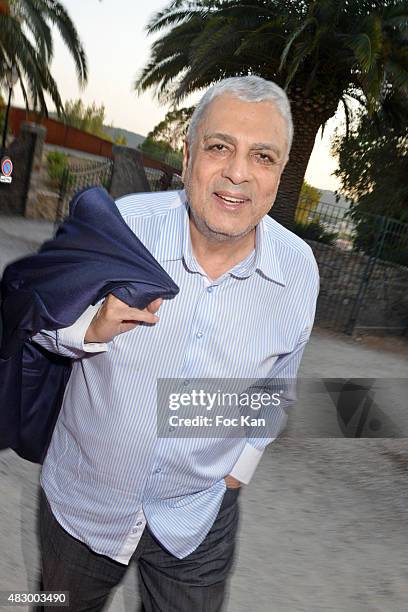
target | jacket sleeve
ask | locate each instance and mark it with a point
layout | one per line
(69, 341)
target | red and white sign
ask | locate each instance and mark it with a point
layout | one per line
(6, 170)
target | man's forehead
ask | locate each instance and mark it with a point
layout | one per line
(263, 115)
(225, 99)
(261, 124)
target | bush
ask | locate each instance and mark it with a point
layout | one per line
(396, 254)
(162, 151)
(58, 168)
(314, 231)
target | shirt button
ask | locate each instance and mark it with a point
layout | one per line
(157, 471)
(186, 383)
(139, 523)
(199, 334)
(172, 428)
(209, 289)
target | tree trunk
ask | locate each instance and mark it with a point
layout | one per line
(308, 115)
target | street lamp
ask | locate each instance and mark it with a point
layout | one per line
(11, 80)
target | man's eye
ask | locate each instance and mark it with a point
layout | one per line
(263, 158)
(217, 147)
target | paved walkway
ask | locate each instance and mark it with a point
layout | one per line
(19, 237)
(323, 522)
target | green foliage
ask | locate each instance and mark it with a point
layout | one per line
(165, 141)
(322, 51)
(121, 140)
(89, 118)
(322, 48)
(58, 168)
(162, 151)
(373, 163)
(314, 231)
(308, 200)
(380, 237)
(396, 250)
(373, 169)
(172, 130)
(27, 29)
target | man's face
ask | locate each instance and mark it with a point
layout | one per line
(232, 173)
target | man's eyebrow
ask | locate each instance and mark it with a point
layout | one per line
(257, 146)
(221, 136)
(266, 146)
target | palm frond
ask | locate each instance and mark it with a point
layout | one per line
(59, 17)
(33, 18)
(309, 22)
(165, 19)
(26, 41)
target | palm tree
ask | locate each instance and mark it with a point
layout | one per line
(26, 42)
(322, 52)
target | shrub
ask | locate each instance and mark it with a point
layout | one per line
(381, 236)
(314, 231)
(58, 167)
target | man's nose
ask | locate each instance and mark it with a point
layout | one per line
(237, 168)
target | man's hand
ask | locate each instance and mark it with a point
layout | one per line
(115, 317)
(231, 482)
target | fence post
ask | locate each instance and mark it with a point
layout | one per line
(37, 133)
(61, 197)
(365, 279)
(20, 196)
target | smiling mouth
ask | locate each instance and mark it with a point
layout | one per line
(231, 201)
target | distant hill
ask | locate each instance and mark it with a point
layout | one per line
(332, 213)
(329, 197)
(133, 139)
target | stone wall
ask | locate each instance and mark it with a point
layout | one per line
(128, 172)
(360, 294)
(25, 152)
(46, 206)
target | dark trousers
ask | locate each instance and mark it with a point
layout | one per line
(196, 583)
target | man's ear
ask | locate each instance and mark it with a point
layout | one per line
(186, 157)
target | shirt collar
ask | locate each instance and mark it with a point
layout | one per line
(174, 230)
(175, 243)
(267, 260)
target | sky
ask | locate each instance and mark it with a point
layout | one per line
(117, 47)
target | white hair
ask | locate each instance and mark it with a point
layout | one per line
(247, 88)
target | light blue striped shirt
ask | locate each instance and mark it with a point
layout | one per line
(106, 471)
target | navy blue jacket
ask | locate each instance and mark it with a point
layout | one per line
(93, 253)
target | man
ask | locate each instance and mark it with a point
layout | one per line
(115, 491)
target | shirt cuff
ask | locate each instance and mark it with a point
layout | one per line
(247, 463)
(73, 336)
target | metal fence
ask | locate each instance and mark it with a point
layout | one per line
(159, 180)
(79, 176)
(88, 173)
(363, 263)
